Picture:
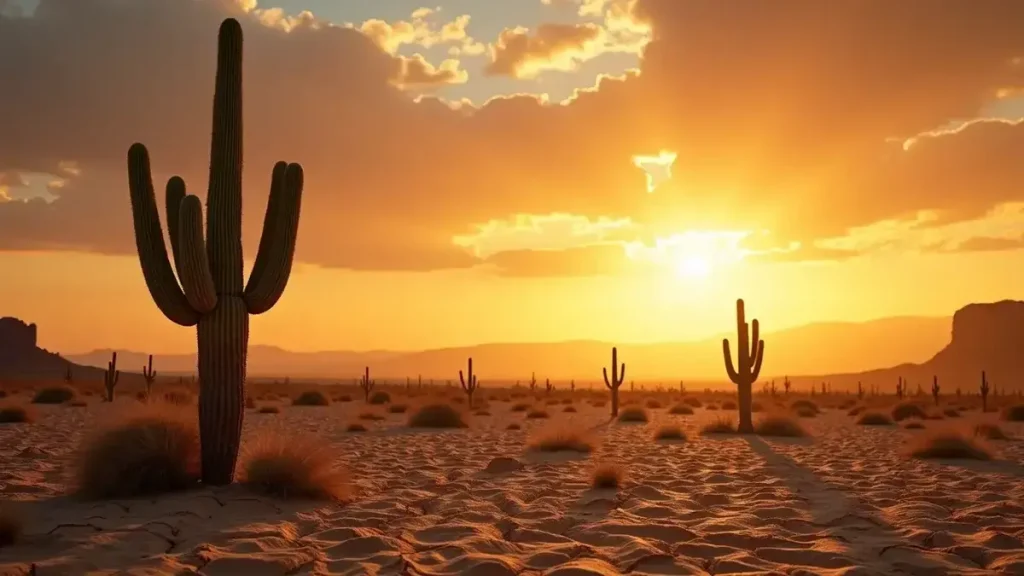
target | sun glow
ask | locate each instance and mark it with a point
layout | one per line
(693, 266)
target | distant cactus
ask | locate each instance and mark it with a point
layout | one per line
(786, 384)
(110, 377)
(984, 392)
(750, 349)
(613, 384)
(632, 385)
(823, 389)
(572, 386)
(211, 295)
(469, 382)
(69, 378)
(773, 388)
(419, 382)
(682, 388)
(935, 389)
(548, 386)
(533, 381)
(860, 390)
(901, 388)
(366, 384)
(149, 375)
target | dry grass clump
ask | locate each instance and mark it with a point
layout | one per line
(653, 404)
(78, 404)
(521, 407)
(569, 409)
(607, 476)
(1014, 413)
(293, 467)
(950, 443)
(54, 395)
(343, 398)
(561, 440)
(905, 410)
(537, 413)
(692, 402)
(806, 413)
(681, 410)
(598, 403)
(756, 407)
(269, 410)
(951, 413)
(719, 426)
(728, 405)
(380, 397)
(355, 427)
(874, 419)
(990, 432)
(711, 407)
(397, 408)
(178, 398)
(250, 402)
(552, 402)
(151, 450)
(514, 426)
(856, 410)
(804, 405)
(913, 424)
(11, 526)
(437, 415)
(369, 415)
(779, 425)
(311, 398)
(669, 432)
(483, 413)
(16, 414)
(633, 414)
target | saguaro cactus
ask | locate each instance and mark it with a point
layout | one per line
(211, 295)
(111, 376)
(149, 374)
(786, 384)
(69, 378)
(860, 390)
(751, 353)
(901, 388)
(533, 382)
(984, 392)
(935, 389)
(366, 384)
(618, 376)
(469, 383)
(548, 386)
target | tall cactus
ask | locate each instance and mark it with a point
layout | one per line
(751, 353)
(149, 375)
(935, 389)
(469, 382)
(110, 377)
(618, 375)
(366, 384)
(984, 392)
(211, 295)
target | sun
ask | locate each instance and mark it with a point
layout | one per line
(694, 267)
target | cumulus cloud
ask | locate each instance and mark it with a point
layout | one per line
(788, 115)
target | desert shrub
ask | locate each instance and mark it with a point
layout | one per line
(711, 407)
(369, 415)
(804, 404)
(438, 415)
(607, 476)
(54, 395)
(355, 427)
(756, 407)
(653, 404)
(567, 401)
(537, 413)
(951, 413)
(380, 397)
(269, 410)
(728, 405)
(343, 398)
(569, 409)
(633, 414)
(1014, 413)
(11, 526)
(847, 404)
(598, 403)
(484, 413)
(16, 414)
(681, 410)
(520, 407)
(990, 432)
(719, 426)
(949, 444)
(178, 398)
(806, 413)
(293, 467)
(904, 410)
(692, 402)
(669, 432)
(874, 419)
(779, 425)
(514, 426)
(561, 440)
(311, 398)
(397, 408)
(152, 450)
(856, 411)
(78, 403)
(552, 402)
(913, 424)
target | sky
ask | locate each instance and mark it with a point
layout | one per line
(526, 170)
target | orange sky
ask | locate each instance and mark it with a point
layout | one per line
(813, 173)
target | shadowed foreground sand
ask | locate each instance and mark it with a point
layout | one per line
(472, 502)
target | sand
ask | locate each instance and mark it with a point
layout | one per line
(473, 502)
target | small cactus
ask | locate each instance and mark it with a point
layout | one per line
(748, 367)
(786, 384)
(572, 386)
(935, 389)
(110, 377)
(366, 384)
(149, 375)
(548, 386)
(533, 382)
(860, 390)
(69, 378)
(469, 381)
(613, 384)
(901, 388)
(984, 392)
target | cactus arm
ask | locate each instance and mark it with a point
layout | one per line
(462, 380)
(193, 264)
(224, 197)
(755, 338)
(149, 240)
(733, 376)
(174, 195)
(760, 356)
(622, 373)
(606, 382)
(277, 245)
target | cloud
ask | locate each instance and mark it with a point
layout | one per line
(787, 115)
(989, 244)
(520, 54)
(608, 259)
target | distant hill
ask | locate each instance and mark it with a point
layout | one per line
(810, 349)
(22, 359)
